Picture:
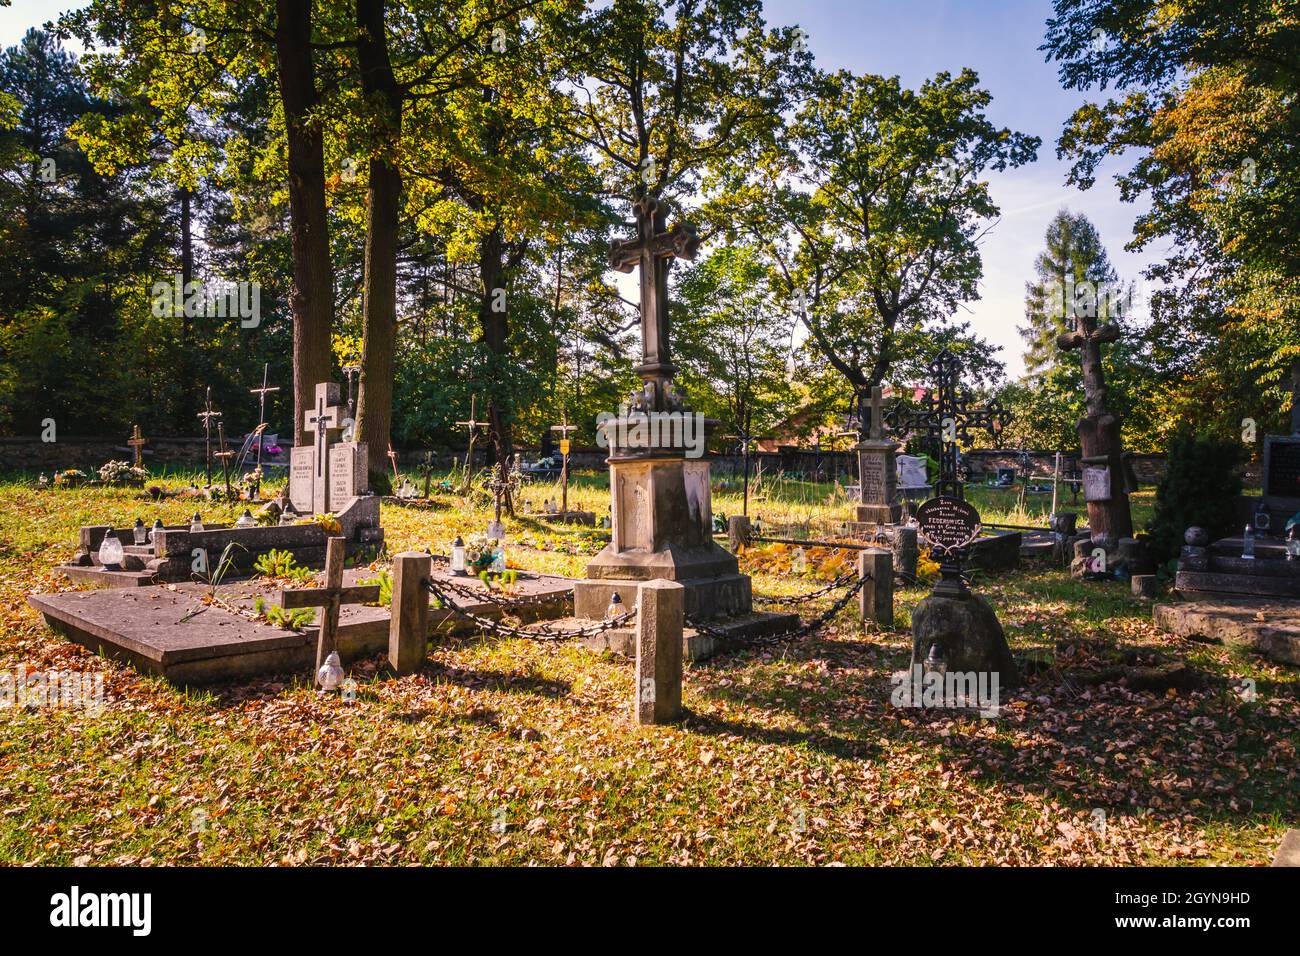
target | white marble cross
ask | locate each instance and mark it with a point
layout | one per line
(325, 417)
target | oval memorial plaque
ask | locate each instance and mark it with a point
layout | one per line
(948, 523)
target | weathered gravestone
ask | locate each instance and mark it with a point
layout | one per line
(327, 474)
(877, 473)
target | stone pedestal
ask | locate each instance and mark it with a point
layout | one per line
(878, 482)
(662, 528)
(968, 633)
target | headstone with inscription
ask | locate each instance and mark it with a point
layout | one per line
(877, 475)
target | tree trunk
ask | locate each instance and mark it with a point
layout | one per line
(190, 401)
(379, 295)
(496, 331)
(311, 300)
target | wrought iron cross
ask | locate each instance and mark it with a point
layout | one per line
(947, 416)
(652, 250)
(207, 415)
(261, 394)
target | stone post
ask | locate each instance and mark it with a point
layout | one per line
(737, 532)
(408, 628)
(876, 599)
(657, 696)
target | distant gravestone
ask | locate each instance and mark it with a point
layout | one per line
(1282, 467)
(301, 466)
(912, 472)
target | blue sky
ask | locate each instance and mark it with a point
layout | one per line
(916, 39)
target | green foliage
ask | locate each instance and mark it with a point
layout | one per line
(294, 619)
(278, 563)
(385, 581)
(1199, 488)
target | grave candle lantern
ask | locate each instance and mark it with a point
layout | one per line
(196, 523)
(246, 520)
(139, 532)
(615, 609)
(110, 552)
(157, 526)
(458, 556)
(330, 674)
(1293, 543)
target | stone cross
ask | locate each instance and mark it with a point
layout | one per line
(1088, 338)
(564, 428)
(326, 416)
(207, 415)
(331, 597)
(875, 405)
(1109, 517)
(652, 250)
(137, 443)
(947, 417)
(261, 394)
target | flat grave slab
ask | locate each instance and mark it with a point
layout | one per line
(1268, 626)
(695, 646)
(176, 632)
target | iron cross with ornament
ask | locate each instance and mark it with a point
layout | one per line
(947, 416)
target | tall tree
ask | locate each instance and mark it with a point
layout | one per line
(1073, 272)
(869, 214)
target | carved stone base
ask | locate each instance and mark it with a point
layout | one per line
(722, 596)
(880, 514)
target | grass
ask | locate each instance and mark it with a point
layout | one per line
(513, 752)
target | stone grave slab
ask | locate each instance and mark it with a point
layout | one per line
(169, 630)
(1267, 626)
(695, 646)
(1288, 854)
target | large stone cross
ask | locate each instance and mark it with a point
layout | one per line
(327, 415)
(1109, 517)
(875, 405)
(1088, 338)
(652, 250)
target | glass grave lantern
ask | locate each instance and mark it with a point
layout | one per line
(615, 609)
(246, 520)
(330, 675)
(139, 533)
(458, 557)
(196, 523)
(153, 531)
(110, 552)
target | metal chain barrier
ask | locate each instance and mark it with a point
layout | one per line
(541, 632)
(843, 581)
(473, 594)
(782, 637)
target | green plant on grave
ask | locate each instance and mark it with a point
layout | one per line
(385, 581)
(1200, 488)
(294, 619)
(278, 563)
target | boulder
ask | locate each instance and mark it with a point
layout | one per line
(966, 628)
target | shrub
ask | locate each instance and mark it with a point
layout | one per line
(1200, 486)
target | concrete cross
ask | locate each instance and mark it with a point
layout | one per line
(137, 443)
(325, 417)
(331, 597)
(652, 250)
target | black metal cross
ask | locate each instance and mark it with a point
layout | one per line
(947, 417)
(207, 415)
(653, 249)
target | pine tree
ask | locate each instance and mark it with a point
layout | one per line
(1073, 272)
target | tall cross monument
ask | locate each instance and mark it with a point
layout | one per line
(1104, 483)
(661, 503)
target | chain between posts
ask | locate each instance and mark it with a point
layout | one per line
(540, 632)
(842, 581)
(782, 637)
